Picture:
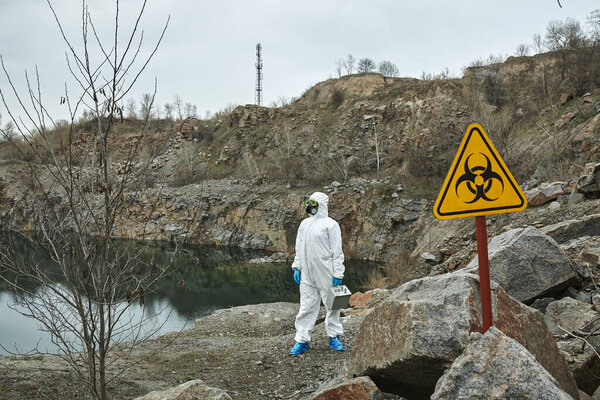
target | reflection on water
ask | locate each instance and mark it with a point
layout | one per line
(207, 278)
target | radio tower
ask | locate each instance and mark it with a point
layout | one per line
(259, 77)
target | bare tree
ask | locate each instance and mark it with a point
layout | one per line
(190, 110)
(281, 101)
(130, 109)
(388, 68)
(366, 65)
(538, 44)
(168, 111)
(147, 106)
(564, 35)
(349, 64)
(593, 21)
(84, 301)
(178, 103)
(522, 50)
(339, 65)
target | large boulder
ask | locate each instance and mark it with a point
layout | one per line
(411, 338)
(528, 264)
(361, 388)
(497, 367)
(566, 318)
(191, 390)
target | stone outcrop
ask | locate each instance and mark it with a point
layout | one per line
(411, 338)
(528, 264)
(497, 367)
(574, 228)
(192, 390)
(361, 388)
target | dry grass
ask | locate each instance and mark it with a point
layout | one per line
(401, 269)
(376, 280)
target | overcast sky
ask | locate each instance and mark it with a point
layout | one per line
(208, 53)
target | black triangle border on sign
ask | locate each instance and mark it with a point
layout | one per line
(507, 174)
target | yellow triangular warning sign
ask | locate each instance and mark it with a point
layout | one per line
(478, 182)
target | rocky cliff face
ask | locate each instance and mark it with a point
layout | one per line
(379, 147)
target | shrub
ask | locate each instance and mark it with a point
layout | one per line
(337, 97)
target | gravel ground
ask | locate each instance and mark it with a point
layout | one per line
(242, 350)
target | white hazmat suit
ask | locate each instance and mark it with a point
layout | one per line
(319, 258)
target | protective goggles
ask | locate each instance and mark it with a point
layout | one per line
(312, 202)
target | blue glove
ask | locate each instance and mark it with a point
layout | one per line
(297, 275)
(336, 282)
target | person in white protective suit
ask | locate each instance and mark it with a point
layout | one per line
(318, 265)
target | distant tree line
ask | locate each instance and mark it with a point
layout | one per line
(348, 64)
(177, 110)
(559, 36)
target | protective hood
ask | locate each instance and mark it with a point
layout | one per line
(323, 200)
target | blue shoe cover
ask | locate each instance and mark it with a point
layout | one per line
(299, 348)
(336, 344)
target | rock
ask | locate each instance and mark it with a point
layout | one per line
(570, 314)
(192, 390)
(369, 299)
(583, 361)
(576, 197)
(539, 196)
(588, 132)
(565, 97)
(578, 317)
(555, 205)
(565, 119)
(596, 301)
(410, 216)
(574, 228)
(589, 182)
(591, 256)
(584, 396)
(359, 299)
(542, 304)
(528, 264)
(409, 340)
(582, 270)
(430, 258)
(497, 367)
(171, 228)
(584, 297)
(570, 292)
(361, 388)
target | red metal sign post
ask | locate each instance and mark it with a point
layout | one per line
(484, 273)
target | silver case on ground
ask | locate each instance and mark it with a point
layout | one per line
(337, 297)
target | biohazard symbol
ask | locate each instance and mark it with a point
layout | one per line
(479, 180)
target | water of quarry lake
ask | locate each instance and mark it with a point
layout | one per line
(215, 277)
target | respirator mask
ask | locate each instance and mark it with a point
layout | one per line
(311, 206)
